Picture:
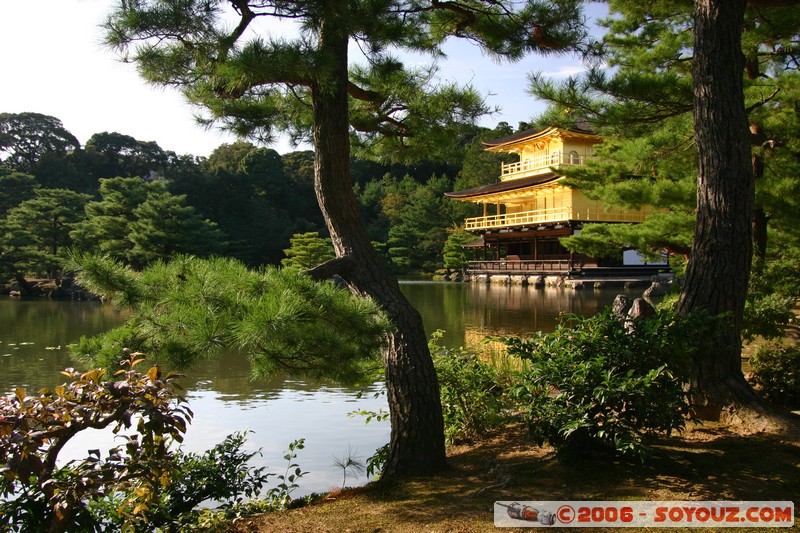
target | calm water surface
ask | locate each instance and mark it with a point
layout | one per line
(34, 335)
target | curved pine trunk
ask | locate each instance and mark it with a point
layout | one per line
(417, 438)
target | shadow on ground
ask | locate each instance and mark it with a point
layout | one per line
(706, 463)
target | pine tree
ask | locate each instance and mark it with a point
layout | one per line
(672, 59)
(257, 84)
(164, 226)
(107, 224)
(453, 253)
(418, 234)
(191, 308)
(139, 222)
(36, 233)
(15, 187)
(307, 250)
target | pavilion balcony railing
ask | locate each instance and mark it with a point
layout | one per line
(521, 266)
(540, 164)
(553, 216)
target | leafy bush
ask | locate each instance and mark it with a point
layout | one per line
(597, 383)
(774, 288)
(280, 496)
(471, 392)
(766, 315)
(38, 495)
(144, 485)
(782, 273)
(776, 369)
(221, 474)
(246, 481)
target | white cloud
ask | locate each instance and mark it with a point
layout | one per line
(564, 71)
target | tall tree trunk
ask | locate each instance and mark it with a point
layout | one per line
(760, 219)
(718, 271)
(417, 438)
(760, 223)
(752, 69)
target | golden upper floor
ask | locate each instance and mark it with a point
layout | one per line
(531, 192)
(541, 151)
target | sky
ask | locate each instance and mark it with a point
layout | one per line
(54, 63)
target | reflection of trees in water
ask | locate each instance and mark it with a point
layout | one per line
(32, 328)
(30, 331)
(517, 310)
(229, 375)
(471, 311)
(466, 311)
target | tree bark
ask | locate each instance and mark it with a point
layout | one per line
(760, 222)
(718, 271)
(759, 219)
(417, 434)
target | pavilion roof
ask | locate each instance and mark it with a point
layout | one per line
(503, 186)
(534, 134)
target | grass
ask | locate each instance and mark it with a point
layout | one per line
(706, 462)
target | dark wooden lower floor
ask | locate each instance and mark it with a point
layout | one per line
(571, 267)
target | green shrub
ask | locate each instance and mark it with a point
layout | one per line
(766, 315)
(221, 475)
(772, 293)
(471, 392)
(597, 383)
(776, 369)
(146, 484)
(38, 495)
(781, 273)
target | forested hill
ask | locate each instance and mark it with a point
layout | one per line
(139, 202)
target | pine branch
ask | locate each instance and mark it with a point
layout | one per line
(339, 266)
(366, 95)
(247, 16)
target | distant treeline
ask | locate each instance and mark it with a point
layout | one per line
(140, 203)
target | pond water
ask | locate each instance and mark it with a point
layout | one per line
(34, 335)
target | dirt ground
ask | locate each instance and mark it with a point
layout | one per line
(706, 462)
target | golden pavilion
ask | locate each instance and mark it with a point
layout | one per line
(530, 208)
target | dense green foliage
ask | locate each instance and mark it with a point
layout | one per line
(139, 222)
(40, 495)
(139, 203)
(594, 385)
(472, 391)
(307, 250)
(25, 138)
(36, 232)
(773, 292)
(221, 474)
(601, 383)
(776, 370)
